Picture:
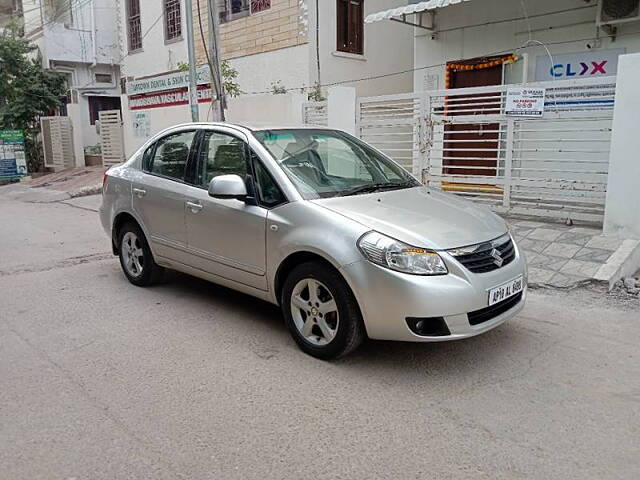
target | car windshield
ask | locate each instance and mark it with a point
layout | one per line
(330, 163)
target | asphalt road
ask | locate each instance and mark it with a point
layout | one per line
(102, 380)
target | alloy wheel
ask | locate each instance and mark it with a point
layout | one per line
(132, 254)
(314, 311)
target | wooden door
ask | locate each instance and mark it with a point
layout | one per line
(473, 166)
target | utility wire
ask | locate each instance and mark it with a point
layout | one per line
(416, 69)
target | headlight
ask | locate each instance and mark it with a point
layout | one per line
(399, 256)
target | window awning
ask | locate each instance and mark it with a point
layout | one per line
(400, 13)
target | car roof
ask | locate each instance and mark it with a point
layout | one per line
(254, 127)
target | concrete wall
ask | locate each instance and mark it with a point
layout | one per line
(622, 215)
(267, 109)
(388, 47)
(289, 66)
(457, 39)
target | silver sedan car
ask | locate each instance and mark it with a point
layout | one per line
(347, 242)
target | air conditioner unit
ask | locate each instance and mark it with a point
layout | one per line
(613, 12)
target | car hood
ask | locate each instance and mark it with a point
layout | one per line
(420, 216)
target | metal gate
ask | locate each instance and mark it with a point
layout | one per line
(394, 125)
(111, 137)
(57, 142)
(460, 140)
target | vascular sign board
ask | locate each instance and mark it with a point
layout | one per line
(525, 102)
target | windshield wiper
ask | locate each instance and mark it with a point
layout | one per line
(376, 187)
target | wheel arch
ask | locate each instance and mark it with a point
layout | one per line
(292, 261)
(118, 221)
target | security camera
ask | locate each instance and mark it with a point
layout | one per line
(588, 46)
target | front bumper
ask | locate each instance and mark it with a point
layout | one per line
(387, 298)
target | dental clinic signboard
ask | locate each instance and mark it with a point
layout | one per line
(587, 64)
(169, 81)
(168, 90)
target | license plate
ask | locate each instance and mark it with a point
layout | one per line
(505, 291)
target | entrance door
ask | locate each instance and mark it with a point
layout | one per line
(459, 147)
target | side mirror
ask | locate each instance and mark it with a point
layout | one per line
(228, 186)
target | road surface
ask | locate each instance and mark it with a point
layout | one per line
(189, 380)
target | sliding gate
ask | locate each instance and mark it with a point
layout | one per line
(461, 141)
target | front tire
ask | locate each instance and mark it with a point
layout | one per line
(321, 312)
(136, 258)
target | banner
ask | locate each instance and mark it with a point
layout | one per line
(168, 98)
(13, 162)
(169, 81)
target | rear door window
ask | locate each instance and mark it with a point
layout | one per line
(170, 155)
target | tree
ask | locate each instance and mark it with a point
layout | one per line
(27, 91)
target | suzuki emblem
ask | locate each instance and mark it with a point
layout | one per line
(498, 259)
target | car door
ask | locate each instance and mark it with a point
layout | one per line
(226, 237)
(159, 194)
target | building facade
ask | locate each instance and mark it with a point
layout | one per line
(78, 39)
(284, 52)
(523, 41)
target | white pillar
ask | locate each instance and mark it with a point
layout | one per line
(74, 113)
(341, 109)
(622, 215)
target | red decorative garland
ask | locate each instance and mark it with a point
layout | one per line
(461, 67)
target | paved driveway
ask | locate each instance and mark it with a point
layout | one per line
(101, 380)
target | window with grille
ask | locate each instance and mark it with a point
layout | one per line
(260, 5)
(233, 9)
(350, 26)
(172, 20)
(134, 27)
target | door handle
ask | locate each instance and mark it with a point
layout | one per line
(194, 207)
(139, 192)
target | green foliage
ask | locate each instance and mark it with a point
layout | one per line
(183, 67)
(229, 76)
(277, 88)
(315, 93)
(27, 91)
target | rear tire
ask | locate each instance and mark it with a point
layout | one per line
(321, 312)
(136, 258)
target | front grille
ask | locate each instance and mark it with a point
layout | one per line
(487, 256)
(487, 313)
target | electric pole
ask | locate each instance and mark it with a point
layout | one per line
(217, 85)
(193, 86)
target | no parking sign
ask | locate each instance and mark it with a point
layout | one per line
(525, 102)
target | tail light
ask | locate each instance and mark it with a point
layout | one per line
(104, 180)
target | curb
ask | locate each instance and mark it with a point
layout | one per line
(624, 262)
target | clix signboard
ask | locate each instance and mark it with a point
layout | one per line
(587, 64)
